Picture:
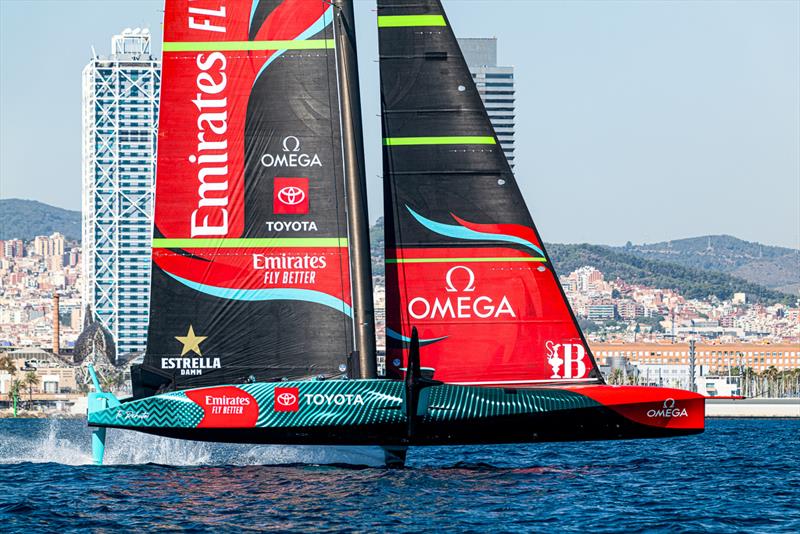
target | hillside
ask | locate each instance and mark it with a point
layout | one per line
(773, 267)
(25, 219)
(690, 282)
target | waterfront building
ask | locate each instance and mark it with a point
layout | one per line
(715, 358)
(120, 117)
(601, 312)
(496, 86)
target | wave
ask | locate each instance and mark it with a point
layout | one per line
(69, 443)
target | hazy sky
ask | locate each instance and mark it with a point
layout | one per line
(638, 121)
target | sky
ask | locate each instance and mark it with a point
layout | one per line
(637, 120)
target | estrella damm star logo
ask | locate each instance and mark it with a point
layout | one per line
(191, 342)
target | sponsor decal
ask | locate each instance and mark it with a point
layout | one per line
(669, 410)
(127, 415)
(338, 399)
(460, 300)
(287, 399)
(292, 156)
(566, 359)
(291, 226)
(190, 366)
(211, 157)
(289, 269)
(225, 407)
(290, 196)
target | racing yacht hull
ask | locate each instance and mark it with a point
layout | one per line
(373, 412)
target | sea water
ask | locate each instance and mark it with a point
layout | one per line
(739, 476)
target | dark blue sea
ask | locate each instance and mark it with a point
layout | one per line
(740, 476)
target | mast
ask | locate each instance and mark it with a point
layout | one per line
(355, 186)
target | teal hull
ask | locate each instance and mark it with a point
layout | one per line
(358, 412)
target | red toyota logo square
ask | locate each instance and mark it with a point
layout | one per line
(287, 399)
(290, 196)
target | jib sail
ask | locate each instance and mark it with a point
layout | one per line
(250, 251)
(464, 262)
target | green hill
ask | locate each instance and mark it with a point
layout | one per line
(689, 282)
(773, 267)
(25, 219)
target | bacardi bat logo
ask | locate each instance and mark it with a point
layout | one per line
(566, 359)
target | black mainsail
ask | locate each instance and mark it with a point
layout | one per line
(251, 265)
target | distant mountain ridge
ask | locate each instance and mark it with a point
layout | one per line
(25, 219)
(688, 281)
(773, 267)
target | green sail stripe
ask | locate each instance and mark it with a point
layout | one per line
(211, 46)
(462, 260)
(451, 140)
(265, 242)
(405, 21)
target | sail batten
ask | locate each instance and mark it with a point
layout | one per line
(465, 264)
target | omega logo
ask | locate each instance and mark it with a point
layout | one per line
(291, 140)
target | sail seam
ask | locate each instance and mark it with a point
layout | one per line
(268, 242)
(463, 260)
(406, 21)
(440, 140)
(210, 46)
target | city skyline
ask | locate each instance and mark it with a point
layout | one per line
(617, 104)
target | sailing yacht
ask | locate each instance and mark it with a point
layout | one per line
(261, 324)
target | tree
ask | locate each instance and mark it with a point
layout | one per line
(7, 364)
(31, 379)
(617, 377)
(13, 393)
(112, 380)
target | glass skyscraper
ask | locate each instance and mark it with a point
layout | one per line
(120, 119)
(496, 87)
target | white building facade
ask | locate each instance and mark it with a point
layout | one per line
(496, 87)
(120, 121)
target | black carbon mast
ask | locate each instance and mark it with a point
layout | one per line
(356, 189)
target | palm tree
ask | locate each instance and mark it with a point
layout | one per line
(112, 380)
(7, 364)
(13, 393)
(31, 379)
(616, 377)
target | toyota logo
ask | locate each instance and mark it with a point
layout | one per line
(286, 399)
(291, 195)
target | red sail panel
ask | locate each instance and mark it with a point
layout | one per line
(485, 316)
(465, 263)
(204, 104)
